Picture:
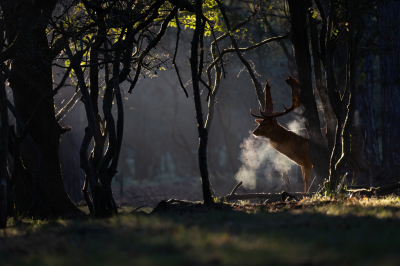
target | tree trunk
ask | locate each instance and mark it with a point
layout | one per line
(203, 133)
(318, 151)
(73, 176)
(354, 34)
(329, 115)
(389, 27)
(46, 133)
(366, 113)
(3, 153)
(30, 80)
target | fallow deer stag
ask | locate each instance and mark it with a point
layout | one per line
(295, 147)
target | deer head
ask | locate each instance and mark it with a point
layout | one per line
(267, 119)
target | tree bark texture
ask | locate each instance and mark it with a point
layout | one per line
(389, 28)
(366, 113)
(365, 101)
(354, 35)
(91, 177)
(203, 133)
(3, 153)
(318, 151)
(329, 115)
(31, 79)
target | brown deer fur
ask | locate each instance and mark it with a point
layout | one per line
(294, 146)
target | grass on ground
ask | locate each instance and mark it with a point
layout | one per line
(311, 232)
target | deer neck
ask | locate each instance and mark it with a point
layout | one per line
(279, 134)
(290, 144)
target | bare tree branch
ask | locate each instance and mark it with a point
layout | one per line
(230, 50)
(68, 106)
(135, 79)
(174, 58)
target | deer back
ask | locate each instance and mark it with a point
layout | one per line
(356, 142)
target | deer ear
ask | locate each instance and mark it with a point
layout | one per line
(259, 121)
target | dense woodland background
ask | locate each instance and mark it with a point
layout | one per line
(159, 150)
(145, 143)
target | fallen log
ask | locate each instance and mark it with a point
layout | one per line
(271, 197)
(184, 206)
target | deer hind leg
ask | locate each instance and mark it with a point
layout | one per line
(306, 170)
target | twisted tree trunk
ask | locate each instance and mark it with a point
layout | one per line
(203, 133)
(318, 151)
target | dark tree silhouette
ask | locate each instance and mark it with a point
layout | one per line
(389, 26)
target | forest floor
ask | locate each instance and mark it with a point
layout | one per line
(318, 231)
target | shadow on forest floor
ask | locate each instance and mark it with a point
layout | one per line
(349, 232)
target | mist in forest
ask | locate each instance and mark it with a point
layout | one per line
(158, 159)
(259, 159)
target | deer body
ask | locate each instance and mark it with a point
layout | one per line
(286, 142)
(295, 147)
(290, 144)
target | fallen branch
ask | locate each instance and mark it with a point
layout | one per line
(379, 191)
(271, 197)
(236, 187)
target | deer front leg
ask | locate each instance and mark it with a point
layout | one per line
(306, 170)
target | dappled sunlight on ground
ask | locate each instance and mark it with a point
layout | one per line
(309, 232)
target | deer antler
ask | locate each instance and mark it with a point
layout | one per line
(269, 105)
(256, 116)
